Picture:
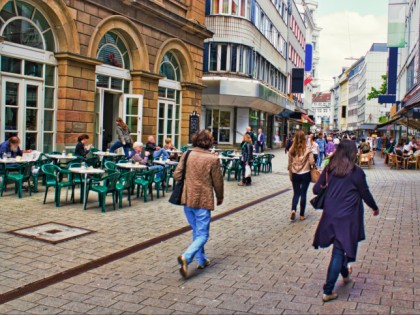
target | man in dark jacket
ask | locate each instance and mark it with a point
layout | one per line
(156, 151)
(259, 144)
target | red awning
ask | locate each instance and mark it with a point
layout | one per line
(306, 117)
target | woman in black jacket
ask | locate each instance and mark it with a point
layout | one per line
(82, 149)
(246, 158)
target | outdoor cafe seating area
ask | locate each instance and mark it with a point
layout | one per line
(407, 161)
(72, 179)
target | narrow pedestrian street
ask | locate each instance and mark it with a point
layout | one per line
(261, 262)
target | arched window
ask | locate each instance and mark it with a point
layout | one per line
(113, 51)
(23, 24)
(169, 67)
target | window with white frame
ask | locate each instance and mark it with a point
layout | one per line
(231, 7)
(29, 91)
(169, 102)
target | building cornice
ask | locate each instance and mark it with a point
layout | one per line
(157, 10)
(77, 58)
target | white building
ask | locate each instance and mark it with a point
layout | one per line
(308, 10)
(321, 106)
(355, 79)
(374, 67)
(408, 57)
(246, 67)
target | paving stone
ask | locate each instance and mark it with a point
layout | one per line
(78, 307)
(261, 263)
(127, 307)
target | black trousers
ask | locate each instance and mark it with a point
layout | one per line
(300, 184)
(246, 180)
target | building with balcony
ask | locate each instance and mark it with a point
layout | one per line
(72, 67)
(246, 67)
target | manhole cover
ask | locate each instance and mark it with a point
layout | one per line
(52, 232)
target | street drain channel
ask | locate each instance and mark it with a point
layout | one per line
(75, 271)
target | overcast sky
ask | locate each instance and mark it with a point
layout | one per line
(349, 27)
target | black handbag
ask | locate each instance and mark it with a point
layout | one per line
(179, 185)
(318, 201)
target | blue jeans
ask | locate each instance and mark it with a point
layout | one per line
(338, 264)
(199, 220)
(118, 144)
(159, 170)
(161, 154)
(320, 158)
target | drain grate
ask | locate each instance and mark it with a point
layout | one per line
(52, 232)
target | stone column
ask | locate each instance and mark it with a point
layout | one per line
(147, 83)
(76, 97)
(191, 101)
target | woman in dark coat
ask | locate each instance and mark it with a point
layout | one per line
(342, 222)
(246, 158)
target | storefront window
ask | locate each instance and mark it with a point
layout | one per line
(220, 123)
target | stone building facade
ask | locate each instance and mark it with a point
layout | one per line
(71, 66)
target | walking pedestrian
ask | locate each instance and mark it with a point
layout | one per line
(342, 224)
(322, 143)
(259, 144)
(300, 161)
(203, 178)
(246, 159)
(313, 145)
(123, 137)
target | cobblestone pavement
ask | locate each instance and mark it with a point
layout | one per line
(261, 262)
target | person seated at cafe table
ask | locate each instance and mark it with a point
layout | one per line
(82, 148)
(142, 157)
(364, 146)
(156, 151)
(410, 146)
(169, 146)
(11, 148)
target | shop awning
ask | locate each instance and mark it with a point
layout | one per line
(308, 119)
(389, 122)
(367, 127)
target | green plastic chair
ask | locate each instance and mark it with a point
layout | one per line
(54, 177)
(266, 163)
(24, 175)
(184, 149)
(42, 160)
(93, 161)
(232, 167)
(144, 181)
(110, 166)
(93, 150)
(160, 182)
(227, 152)
(2, 178)
(256, 165)
(125, 182)
(170, 175)
(65, 165)
(104, 186)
